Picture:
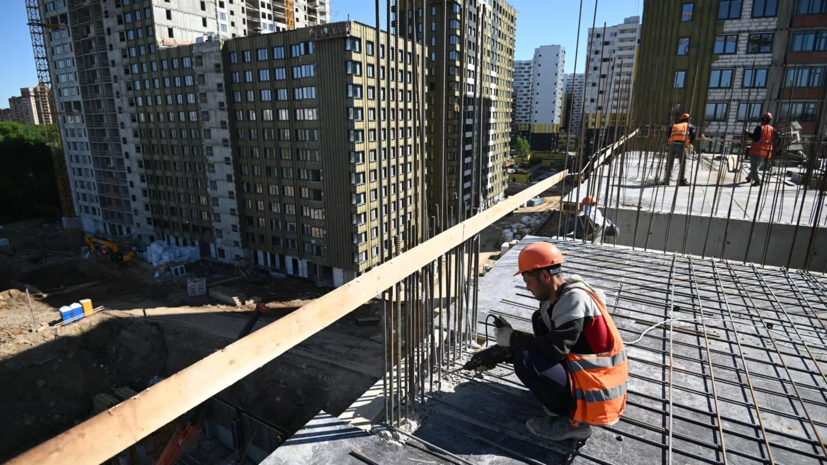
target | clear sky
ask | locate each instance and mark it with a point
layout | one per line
(539, 22)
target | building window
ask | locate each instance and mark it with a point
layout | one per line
(686, 12)
(809, 41)
(369, 48)
(749, 112)
(261, 54)
(720, 79)
(803, 112)
(726, 44)
(811, 7)
(729, 9)
(766, 8)
(804, 77)
(353, 44)
(680, 80)
(759, 43)
(683, 46)
(278, 53)
(304, 48)
(304, 71)
(716, 111)
(755, 78)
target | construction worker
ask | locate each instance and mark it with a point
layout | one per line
(680, 137)
(590, 223)
(761, 149)
(575, 360)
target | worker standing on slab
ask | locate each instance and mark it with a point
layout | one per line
(761, 149)
(575, 360)
(590, 223)
(681, 135)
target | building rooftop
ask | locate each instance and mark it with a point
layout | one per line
(734, 371)
(632, 182)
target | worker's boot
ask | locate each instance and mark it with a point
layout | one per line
(558, 428)
(684, 182)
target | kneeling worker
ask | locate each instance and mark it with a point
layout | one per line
(575, 362)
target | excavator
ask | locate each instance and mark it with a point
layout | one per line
(105, 247)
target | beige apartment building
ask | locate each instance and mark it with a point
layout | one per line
(31, 107)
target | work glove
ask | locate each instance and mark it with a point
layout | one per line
(503, 335)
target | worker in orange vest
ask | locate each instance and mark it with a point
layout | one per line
(574, 362)
(681, 135)
(761, 149)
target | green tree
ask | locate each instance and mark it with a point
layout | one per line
(28, 187)
(521, 147)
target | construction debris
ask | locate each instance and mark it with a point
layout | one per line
(231, 297)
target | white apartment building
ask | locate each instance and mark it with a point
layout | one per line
(547, 87)
(539, 90)
(611, 67)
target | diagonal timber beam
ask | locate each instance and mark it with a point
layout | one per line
(108, 433)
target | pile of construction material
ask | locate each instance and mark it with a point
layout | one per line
(230, 297)
(526, 226)
(160, 253)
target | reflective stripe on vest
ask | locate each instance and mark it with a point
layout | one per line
(599, 380)
(763, 147)
(593, 363)
(602, 395)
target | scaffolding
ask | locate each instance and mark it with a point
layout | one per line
(41, 61)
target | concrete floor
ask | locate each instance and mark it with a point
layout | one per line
(755, 360)
(630, 182)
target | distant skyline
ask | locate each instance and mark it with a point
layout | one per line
(539, 23)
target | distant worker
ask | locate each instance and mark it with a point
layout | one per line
(680, 137)
(590, 223)
(575, 360)
(761, 149)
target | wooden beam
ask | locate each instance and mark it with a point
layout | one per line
(108, 433)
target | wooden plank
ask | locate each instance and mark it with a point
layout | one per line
(132, 420)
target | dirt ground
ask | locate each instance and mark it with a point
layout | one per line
(51, 373)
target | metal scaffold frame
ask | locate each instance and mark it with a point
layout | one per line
(41, 61)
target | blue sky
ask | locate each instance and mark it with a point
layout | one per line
(539, 22)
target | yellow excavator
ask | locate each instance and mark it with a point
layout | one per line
(105, 247)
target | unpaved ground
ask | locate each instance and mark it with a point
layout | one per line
(51, 374)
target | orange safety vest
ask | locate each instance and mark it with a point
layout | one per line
(599, 380)
(763, 147)
(680, 133)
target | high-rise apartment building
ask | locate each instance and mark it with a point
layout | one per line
(96, 51)
(469, 98)
(31, 107)
(547, 88)
(739, 59)
(611, 68)
(575, 87)
(6, 114)
(521, 107)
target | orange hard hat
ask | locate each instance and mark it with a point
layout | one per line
(538, 255)
(588, 200)
(685, 117)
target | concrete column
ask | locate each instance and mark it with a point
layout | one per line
(338, 277)
(303, 268)
(268, 260)
(260, 260)
(213, 253)
(289, 260)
